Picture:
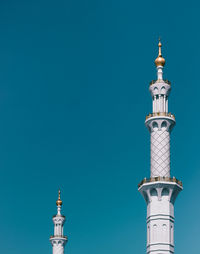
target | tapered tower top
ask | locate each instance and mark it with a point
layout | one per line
(59, 201)
(160, 61)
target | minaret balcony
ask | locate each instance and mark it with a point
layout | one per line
(58, 237)
(161, 114)
(58, 215)
(157, 81)
(162, 190)
(160, 179)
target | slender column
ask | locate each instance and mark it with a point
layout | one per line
(154, 103)
(164, 103)
(156, 107)
(159, 103)
(167, 104)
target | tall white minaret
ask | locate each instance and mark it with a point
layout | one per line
(160, 190)
(58, 240)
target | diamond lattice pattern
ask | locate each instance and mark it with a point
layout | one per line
(160, 153)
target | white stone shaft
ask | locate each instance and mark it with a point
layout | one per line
(160, 153)
(160, 197)
(58, 249)
(160, 127)
(58, 244)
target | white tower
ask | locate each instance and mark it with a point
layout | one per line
(58, 240)
(160, 190)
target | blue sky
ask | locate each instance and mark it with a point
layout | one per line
(74, 94)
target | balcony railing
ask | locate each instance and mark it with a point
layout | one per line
(160, 178)
(57, 215)
(154, 81)
(160, 114)
(58, 236)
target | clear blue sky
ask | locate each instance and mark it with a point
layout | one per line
(74, 78)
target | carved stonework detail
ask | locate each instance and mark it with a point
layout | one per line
(160, 153)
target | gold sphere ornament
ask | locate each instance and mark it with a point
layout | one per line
(160, 61)
(59, 201)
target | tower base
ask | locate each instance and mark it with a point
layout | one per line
(160, 194)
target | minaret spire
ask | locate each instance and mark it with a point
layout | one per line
(58, 240)
(59, 204)
(160, 190)
(160, 61)
(159, 45)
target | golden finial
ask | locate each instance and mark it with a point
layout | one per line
(159, 46)
(160, 61)
(59, 201)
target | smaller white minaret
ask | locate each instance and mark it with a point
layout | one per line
(58, 240)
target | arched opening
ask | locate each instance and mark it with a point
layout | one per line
(155, 126)
(153, 192)
(163, 90)
(165, 192)
(164, 125)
